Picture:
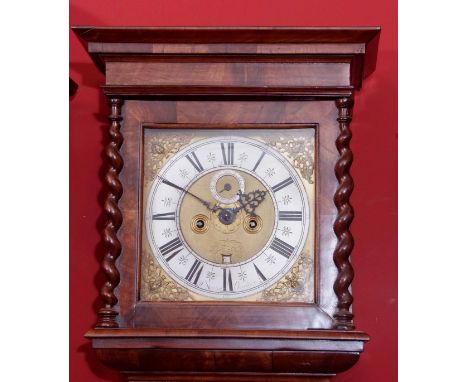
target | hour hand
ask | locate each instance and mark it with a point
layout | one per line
(250, 201)
(204, 202)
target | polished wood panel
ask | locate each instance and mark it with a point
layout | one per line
(239, 361)
(228, 74)
(229, 315)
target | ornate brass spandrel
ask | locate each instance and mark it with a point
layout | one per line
(158, 149)
(157, 285)
(295, 286)
(299, 150)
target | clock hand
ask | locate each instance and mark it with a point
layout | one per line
(204, 202)
(226, 187)
(250, 201)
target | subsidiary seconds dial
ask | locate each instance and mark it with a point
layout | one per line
(227, 217)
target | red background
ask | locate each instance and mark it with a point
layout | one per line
(374, 169)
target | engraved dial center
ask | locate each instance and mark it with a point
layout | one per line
(224, 232)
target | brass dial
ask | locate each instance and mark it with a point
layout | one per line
(219, 239)
(227, 216)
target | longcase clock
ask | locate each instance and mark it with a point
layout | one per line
(228, 235)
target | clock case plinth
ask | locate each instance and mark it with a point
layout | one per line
(229, 78)
(208, 355)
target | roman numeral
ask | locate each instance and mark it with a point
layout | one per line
(258, 162)
(227, 280)
(228, 158)
(282, 248)
(195, 162)
(259, 273)
(282, 184)
(198, 276)
(165, 216)
(194, 272)
(171, 248)
(290, 215)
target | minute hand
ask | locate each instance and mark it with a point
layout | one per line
(204, 202)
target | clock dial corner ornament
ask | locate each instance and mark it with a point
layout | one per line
(223, 234)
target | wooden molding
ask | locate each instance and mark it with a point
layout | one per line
(207, 355)
(217, 35)
(229, 92)
(354, 46)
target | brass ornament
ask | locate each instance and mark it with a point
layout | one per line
(157, 286)
(299, 150)
(292, 287)
(161, 148)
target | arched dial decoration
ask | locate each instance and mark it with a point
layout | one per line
(220, 235)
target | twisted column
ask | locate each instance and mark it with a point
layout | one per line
(107, 314)
(343, 318)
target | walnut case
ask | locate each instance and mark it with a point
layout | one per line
(229, 78)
